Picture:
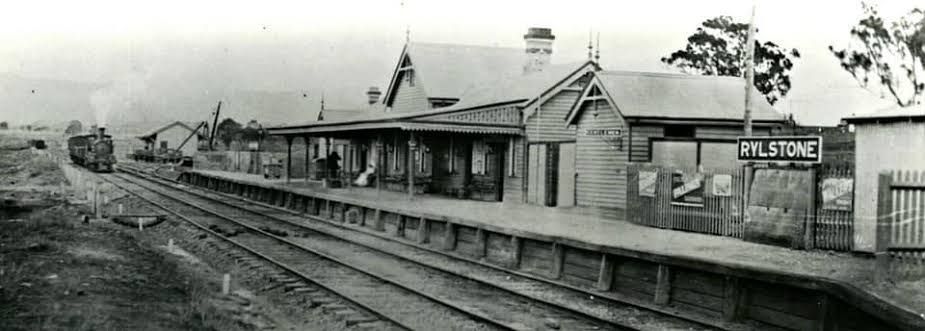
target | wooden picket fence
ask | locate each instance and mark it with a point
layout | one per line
(718, 214)
(901, 223)
(834, 229)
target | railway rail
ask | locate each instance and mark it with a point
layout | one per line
(496, 298)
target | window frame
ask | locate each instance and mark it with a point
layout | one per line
(699, 142)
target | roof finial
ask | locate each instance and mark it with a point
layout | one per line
(589, 45)
(322, 100)
(407, 25)
(597, 51)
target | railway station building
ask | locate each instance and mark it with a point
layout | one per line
(174, 135)
(504, 124)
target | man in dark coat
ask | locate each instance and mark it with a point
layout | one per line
(333, 167)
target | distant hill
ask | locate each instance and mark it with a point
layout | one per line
(28, 100)
(54, 103)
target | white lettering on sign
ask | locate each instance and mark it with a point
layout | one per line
(603, 132)
(686, 188)
(794, 149)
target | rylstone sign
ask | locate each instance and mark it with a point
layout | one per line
(780, 149)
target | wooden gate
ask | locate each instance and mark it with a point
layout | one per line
(652, 199)
(900, 247)
(833, 226)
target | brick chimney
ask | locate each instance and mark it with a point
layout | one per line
(538, 48)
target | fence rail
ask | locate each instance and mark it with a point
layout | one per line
(716, 208)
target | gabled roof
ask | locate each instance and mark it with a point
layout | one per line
(445, 71)
(163, 128)
(524, 88)
(896, 113)
(680, 96)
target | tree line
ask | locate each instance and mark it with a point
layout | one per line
(889, 55)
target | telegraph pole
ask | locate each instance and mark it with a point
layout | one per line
(749, 81)
(749, 71)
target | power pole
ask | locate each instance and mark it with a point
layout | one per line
(749, 81)
(749, 72)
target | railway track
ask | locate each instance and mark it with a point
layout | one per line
(499, 299)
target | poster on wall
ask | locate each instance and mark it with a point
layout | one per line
(687, 188)
(722, 185)
(647, 181)
(837, 194)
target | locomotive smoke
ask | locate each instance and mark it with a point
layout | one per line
(119, 96)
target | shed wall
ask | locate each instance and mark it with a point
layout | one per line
(881, 147)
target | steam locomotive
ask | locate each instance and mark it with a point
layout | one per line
(93, 151)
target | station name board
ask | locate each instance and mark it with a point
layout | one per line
(603, 132)
(780, 149)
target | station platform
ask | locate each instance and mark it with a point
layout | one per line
(579, 225)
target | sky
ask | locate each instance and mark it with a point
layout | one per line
(154, 61)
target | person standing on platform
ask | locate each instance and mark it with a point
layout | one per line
(333, 165)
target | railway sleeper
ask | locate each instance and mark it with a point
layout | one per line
(304, 289)
(293, 286)
(335, 308)
(359, 319)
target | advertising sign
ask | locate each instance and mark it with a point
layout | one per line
(722, 185)
(837, 194)
(647, 181)
(687, 188)
(780, 149)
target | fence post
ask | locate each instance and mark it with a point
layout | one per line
(809, 235)
(884, 226)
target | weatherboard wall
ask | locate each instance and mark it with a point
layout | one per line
(600, 166)
(409, 97)
(549, 125)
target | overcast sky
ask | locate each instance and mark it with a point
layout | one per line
(177, 51)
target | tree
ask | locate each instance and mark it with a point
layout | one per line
(718, 48)
(894, 53)
(4, 125)
(73, 127)
(253, 132)
(226, 131)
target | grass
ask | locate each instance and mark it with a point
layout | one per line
(105, 278)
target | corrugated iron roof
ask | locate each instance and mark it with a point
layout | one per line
(342, 114)
(447, 70)
(680, 96)
(895, 112)
(517, 87)
(153, 132)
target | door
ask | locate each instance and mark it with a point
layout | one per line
(566, 189)
(536, 174)
(498, 171)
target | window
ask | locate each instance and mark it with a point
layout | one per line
(691, 154)
(421, 156)
(682, 154)
(679, 131)
(715, 155)
(316, 150)
(410, 77)
(479, 157)
(164, 144)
